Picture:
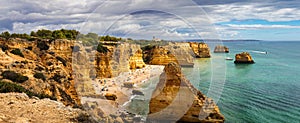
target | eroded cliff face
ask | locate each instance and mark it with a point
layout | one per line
(120, 58)
(201, 50)
(221, 49)
(243, 58)
(175, 99)
(183, 53)
(136, 60)
(53, 66)
(158, 55)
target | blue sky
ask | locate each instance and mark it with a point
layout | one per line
(272, 20)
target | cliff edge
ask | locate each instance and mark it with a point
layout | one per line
(175, 99)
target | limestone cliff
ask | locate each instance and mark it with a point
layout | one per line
(48, 69)
(201, 50)
(120, 58)
(158, 55)
(136, 60)
(221, 49)
(183, 53)
(175, 99)
(243, 58)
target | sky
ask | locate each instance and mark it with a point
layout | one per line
(271, 20)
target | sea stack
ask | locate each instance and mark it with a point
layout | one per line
(201, 50)
(175, 99)
(221, 49)
(243, 58)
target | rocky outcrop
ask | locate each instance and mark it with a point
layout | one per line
(175, 99)
(221, 49)
(201, 50)
(54, 65)
(158, 55)
(136, 60)
(183, 53)
(19, 108)
(120, 58)
(243, 58)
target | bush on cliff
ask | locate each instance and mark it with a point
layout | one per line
(64, 62)
(148, 47)
(6, 87)
(5, 35)
(39, 76)
(17, 52)
(102, 49)
(13, 76)
(4, 47)
(42, 45)
(57, 78)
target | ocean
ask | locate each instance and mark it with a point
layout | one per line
(267, 91)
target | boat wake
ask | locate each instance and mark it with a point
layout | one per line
(261, 52)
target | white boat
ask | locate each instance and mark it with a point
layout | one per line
(228, 58)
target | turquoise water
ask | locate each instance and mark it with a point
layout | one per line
(267, 91)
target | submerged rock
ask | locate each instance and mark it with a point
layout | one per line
(175, 99)
(243, 58)
(221, 49)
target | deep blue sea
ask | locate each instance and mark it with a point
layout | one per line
(265, 92)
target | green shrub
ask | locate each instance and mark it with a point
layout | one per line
(102, 49)
(13, 76)
(64, 62)
(29, 48)
(4, 47)
(42, 45)
(6, 87)
(39, 76)
(17, 52)
(57, 78)
(148, 47)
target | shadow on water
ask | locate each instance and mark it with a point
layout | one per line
(242, 66)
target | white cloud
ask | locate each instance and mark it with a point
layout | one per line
(260, 26)
(27, 15)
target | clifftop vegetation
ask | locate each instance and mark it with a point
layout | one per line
(87, 39)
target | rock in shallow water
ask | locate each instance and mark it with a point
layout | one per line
(243, 58)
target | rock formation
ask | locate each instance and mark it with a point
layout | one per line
(175, 99)
(159, 56)
(221, 49)
(201, 50)
(120, 58)
(183, 53)
(19, 108)
(243, 58)
(54, 65)
(136, 60)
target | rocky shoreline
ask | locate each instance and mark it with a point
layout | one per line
(103, 81)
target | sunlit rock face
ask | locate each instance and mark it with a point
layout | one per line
(52, 63)
(183, 53)
(120, 58)
(158, 55)
(136, 60)
(201, 50)
(243, 58)
(221, 49)
(175, 99)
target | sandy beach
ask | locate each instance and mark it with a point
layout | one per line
(115, 86)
